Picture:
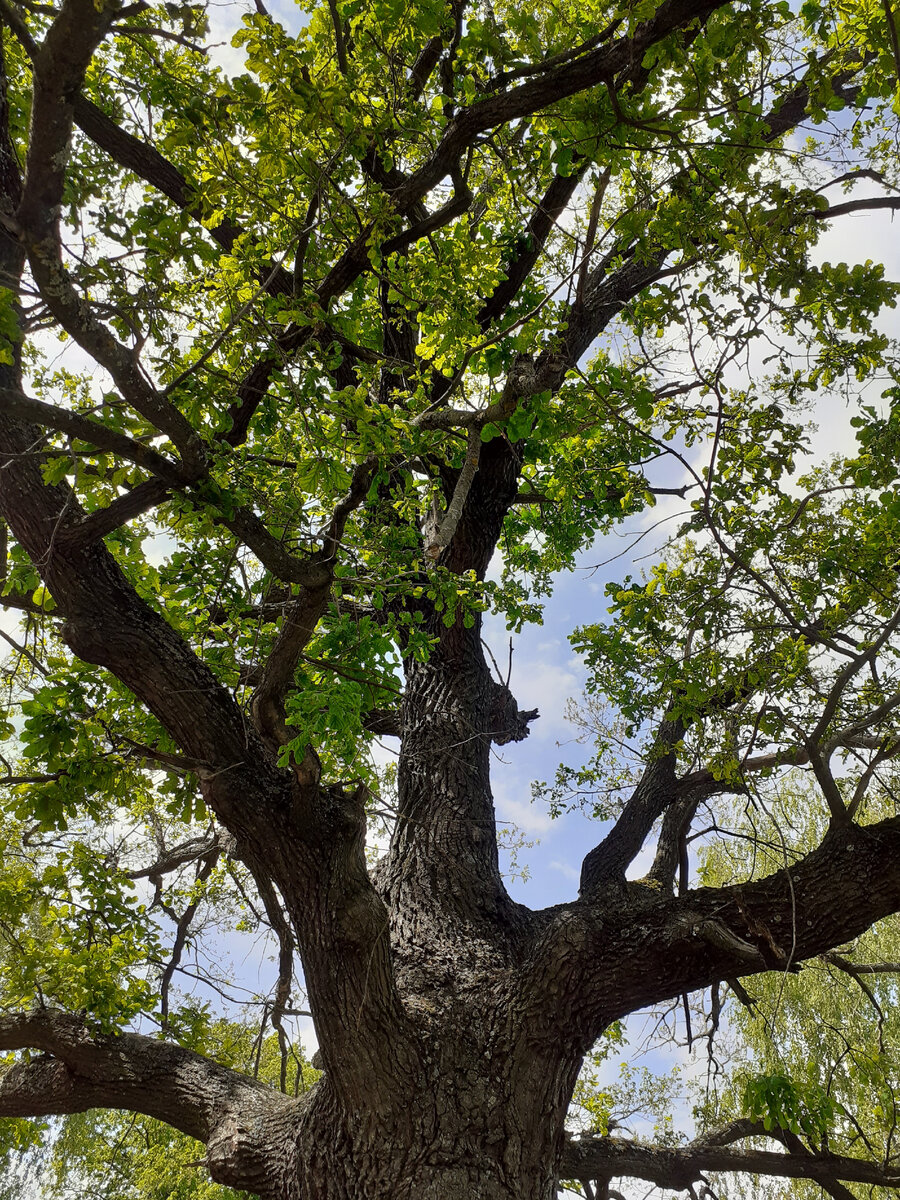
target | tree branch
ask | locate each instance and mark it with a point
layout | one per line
(59, 67)
(89, 1070)
(384, 722)
(250, 530)
(567, 79)
(852, 206)
(820, 902)
(604, 292)
(148, 164)
(443, 535)
(656, 790)
(309, 840)
(94, 432)
(533, 239)
(205, 868)
(187, 852)
(469, 123)
(301, 618)
(282, 930)
(593, 1157)
(133, 503)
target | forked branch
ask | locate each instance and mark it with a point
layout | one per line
(656, 790)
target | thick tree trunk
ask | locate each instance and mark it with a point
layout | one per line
(466, 1138)
(478, 1109)
(479, 1126)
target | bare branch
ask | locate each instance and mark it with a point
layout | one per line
(610, 1158)
(656, 790)
(819, 755)
(821, 901)
(205, 868)
(853, 206)
(447, 528)
(282, 929)
(670, 848)
(187, 852)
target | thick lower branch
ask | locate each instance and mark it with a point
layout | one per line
(80, 1069)
(368, 1044)
(634, 945)
(606, 1158)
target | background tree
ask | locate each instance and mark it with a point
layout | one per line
(334, 325)
(813, 1055)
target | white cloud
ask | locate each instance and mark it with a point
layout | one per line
(546, 684)
(521, 812)
(224, 22)
(565, 869)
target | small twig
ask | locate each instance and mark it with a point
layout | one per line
(24, 652)
(154, 31)
(220, 338)
(181, 933)
(849, 968)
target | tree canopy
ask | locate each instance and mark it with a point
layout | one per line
(315, 349)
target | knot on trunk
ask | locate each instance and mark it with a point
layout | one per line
(246, 1149)
(345, 807)
(508, 722)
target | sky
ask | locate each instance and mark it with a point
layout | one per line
(546, 672)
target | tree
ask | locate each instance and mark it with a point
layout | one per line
(814, 1057)
(334, 323)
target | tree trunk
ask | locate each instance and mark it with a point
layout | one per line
(464, 1139)
(476, 1110)
(484, 1125)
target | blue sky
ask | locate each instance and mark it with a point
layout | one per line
(546, 671)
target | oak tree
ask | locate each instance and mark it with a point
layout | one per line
(365, 335)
